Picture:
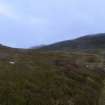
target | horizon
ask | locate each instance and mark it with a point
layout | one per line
(47, 43)
(31, 23)
(81, 36)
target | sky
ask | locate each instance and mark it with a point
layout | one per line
(26, 23)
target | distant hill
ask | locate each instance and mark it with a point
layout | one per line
(87, 42)
(96, 41)
(6, 51)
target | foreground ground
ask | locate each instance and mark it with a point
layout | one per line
(52, 79)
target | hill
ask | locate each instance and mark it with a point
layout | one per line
(42, 77)
(6, 51)
(96, 41)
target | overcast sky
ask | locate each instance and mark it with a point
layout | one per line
(25, 23)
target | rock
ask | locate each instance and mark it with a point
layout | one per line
(12, 62)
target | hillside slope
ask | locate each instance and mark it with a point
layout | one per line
(96, 41)
(53, 78)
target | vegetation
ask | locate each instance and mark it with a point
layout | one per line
(54, 75)
(48, 78)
